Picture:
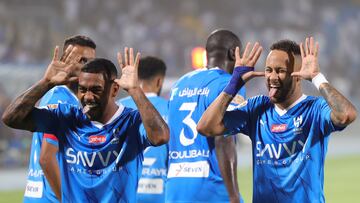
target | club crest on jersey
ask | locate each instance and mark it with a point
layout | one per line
(298, 121)
(278, 128)
(97, 139)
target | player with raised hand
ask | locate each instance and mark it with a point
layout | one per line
(289, 130)
(203, 169)
(44, 171)
(151, 187)
(100, 153)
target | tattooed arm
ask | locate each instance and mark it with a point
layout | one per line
(157, 130)
(211, 122)
(17, 114)
(342, 111)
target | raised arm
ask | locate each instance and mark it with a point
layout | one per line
(156, 129)
(343, 111)
(211, 122)
(17, 114)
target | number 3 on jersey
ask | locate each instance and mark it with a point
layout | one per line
(188, 121)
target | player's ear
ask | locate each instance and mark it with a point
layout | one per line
(231, 54)
(114, 89)
(159, 81)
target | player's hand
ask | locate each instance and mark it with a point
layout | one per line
(60, 72)
(249, 58)
(129, 70)
(310, 65)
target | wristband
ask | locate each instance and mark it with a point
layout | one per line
(236, 81)
(318, 80)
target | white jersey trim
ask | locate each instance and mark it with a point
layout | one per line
(282, 112)
(116, 114)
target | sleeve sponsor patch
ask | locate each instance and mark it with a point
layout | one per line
(52, 106)
(238, 99)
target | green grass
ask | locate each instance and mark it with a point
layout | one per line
(342, 178)
(11, 196)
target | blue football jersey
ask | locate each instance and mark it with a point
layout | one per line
(193, 173)
(98, 162)
(37, 187)
(151, 186)
(289, 147)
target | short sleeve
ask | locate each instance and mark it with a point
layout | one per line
(52, 139)
(46, 119)
(240, 119)
(139, 129)
(236, 120)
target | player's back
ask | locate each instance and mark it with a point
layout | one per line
(151, 187)
(193, 173)
(37, 187)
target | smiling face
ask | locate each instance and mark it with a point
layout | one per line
(94, 94)
(281, 85)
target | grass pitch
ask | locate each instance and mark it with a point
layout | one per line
(342, 178)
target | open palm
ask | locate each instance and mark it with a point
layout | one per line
(310, 65)
(249, 58)
(59, 72)
(129, 69)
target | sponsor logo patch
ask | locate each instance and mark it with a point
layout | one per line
(197, 169)
(34, 189)
(277, 128)
(151, 186)
(97, 139)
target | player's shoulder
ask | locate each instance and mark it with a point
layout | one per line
(315, 101)
(58, 94)
(259, 101)
(205, 74)
(126, 101)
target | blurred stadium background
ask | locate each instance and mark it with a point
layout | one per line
(174, 30)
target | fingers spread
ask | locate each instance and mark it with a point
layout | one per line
(316, 52)
(302, 50)
(256, 55)
(246, 51)
(72, 56)
(137, 59)
(311, 45)
(119, 58)
(258, 74)
(66, 53)
(307, 48)
(56, 53)
(254, 49)
(126, 54)
(131, 57)
(237, 54)
(296, 74)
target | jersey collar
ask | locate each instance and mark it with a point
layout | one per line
(282, 112)
(116, 114)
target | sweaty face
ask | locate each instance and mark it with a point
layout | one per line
(93, 94)
(278, 71)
